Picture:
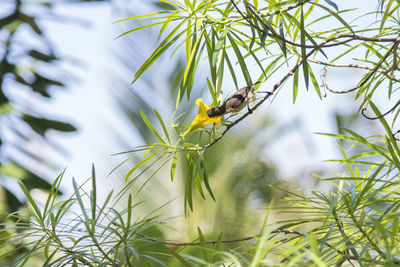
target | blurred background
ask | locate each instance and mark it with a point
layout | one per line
(66, 101)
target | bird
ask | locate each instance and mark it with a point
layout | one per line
(234, 103)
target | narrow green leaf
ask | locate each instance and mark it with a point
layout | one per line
(196, 172)
(220, 74)
(265, 31)
(173, 4)
(210, 51)
(190, 5)
(140, 28)
(220, 45)
(93, 198)
(191, 59)
(192, 72)
(231, 70)
(189, 183)
(253, 36)
(146, 120)
(211, 89)
(166, 23)
(198, 186)
(189, 37)
(202, 240)
(321, 247)
(129, 212)
(205, 179)
(332, 4)
(295, 85)
(137, 166)
(180, 258)
(303, 49)
(81, 205)
(392, 153)
(240, 59)
(142, 16)
(173, 166)
(162, 125)
(283, 42)
(315, 82)
(53, 194)
(385, 15)
(336, 15)
(162, 47)
(104, 206)
(31, 201)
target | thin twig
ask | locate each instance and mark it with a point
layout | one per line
(346, 257)
(353, 66)
(170, 243)
(276, 86)
(394, 135)
(274, 33)
(352, 37)
(381, 116)
(369, 76)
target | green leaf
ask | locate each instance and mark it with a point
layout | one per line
(332, 4)
(151, 127)
(191, 59)
(93, 196)
(173, 166)
(211, 89)
(196, 172)
(53, 193)
(205, 179)
(336, 15)
(42, 125)
(166, 23)
(162, 125)
(161, 48)
(82, 206)
(140, 28)
(220, 45)
(240, 59)
(173, 4)
(210, 51)
(189, 37)
(231, 70)
(137, 166)
(142, 16)
(265, 31)
(303, 49)
(314, 81)
(31, 201)
(189, 183)
(295, 85)
(385, 15)
(282, 41)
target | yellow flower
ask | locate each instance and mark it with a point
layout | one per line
(202, 117)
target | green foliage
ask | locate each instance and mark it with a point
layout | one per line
(353, 221)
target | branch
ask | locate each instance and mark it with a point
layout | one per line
(351, 37)
(346, 257)
(381, 116)
(274, 33)
(369, 76)
(394, 135)
(353, 66)
(276, 86)
(213, 242)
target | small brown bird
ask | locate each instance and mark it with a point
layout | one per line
(234, 103)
